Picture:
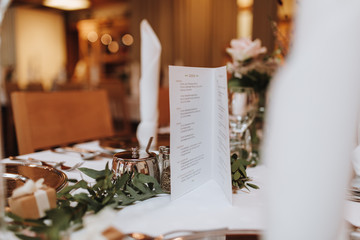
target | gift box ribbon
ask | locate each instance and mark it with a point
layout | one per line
(31, 187)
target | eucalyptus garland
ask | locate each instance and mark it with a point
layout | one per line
(71, 208)
(106, 191)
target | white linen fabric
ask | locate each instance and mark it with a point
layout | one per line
(149, 85)
(311, 123)
(95, 225)
(356, 161)
(205, 208)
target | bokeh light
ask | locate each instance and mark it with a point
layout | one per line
(92, 36)
(106, 39)
(127, 39)
(113, 47)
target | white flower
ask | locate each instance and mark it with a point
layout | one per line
(243, 48)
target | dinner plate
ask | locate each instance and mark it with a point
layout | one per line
(17, 174)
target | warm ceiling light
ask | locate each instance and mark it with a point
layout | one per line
(67, 4)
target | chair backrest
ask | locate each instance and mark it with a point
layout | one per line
(68, 86)
(47, 119)
(118, 105)
(10, 87)
(164, 107)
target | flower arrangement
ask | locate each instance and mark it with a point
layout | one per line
(249, 66)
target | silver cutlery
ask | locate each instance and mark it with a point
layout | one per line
(48, 163)
(15, 176)
(76, 166)
(84, 153)
(182, 234)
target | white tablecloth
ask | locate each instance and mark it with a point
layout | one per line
(203, 208)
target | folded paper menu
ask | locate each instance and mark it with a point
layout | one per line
(199, 129)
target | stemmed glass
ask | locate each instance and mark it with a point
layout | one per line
(4, 4)
(243, 103)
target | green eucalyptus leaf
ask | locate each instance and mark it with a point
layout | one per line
(95, 174)
(252, 185)
(14, 217)
(242, 170)
(133, 193)
(235, 165)
(123, 199)
(149, 182)
(72, 180)
(67, 189)
(236, 175)
(121, 181)
(139, 184)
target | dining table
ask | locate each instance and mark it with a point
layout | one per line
(204, 209)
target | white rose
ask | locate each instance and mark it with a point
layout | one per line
(243, 48)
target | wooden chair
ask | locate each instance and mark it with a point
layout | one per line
(118, 107)
(68, 86)
(164, 107)
(34, 87)
(10, 146)
(47, 119)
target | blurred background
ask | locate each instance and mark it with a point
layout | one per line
(56, 45)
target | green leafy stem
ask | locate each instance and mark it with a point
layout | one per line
(71, 208)
(107, 191)
(240, 178)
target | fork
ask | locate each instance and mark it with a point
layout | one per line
(76, 166)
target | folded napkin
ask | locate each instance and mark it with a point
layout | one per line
(309, 130)
(149, 85)
(356, 161)
(356, 158)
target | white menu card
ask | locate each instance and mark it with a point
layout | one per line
(199, 129)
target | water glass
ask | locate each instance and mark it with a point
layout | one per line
(243, 104)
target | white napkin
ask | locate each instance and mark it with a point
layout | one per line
(149, 85)
(311, 121)
(356, 161)
(356, 156)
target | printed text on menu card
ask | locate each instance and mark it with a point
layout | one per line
(199, 129)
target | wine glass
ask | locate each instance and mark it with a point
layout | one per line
(243, 104)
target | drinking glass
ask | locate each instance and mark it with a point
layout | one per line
(243, 104)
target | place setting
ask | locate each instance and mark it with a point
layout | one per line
(110, 177)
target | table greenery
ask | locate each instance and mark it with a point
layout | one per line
(107, 191)
(71, 208)
(239, 178)
(251, 66)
